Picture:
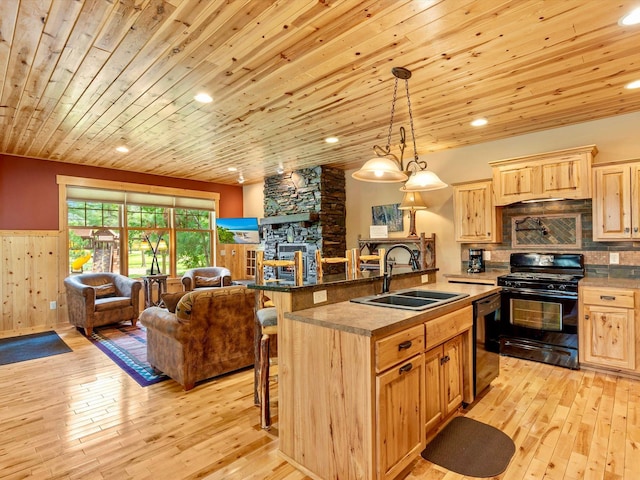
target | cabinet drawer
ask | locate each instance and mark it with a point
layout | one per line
(398, 347)
(608, 297)
(448, 326)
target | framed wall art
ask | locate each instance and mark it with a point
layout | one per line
(389, 215)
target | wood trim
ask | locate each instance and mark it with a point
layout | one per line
(28, 233)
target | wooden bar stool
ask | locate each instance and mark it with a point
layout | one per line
(347, 260)
(379, 257)
(267, 317)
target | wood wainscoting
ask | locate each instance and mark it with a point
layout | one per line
(29, 282)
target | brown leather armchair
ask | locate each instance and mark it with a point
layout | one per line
(210, 333)
(206, 277)
(97, 299)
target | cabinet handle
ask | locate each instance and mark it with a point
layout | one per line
(404, 345)
(406, 368)
(586, 317)
(635, 230)
(607, 297)
(626, 230)
(445, 359)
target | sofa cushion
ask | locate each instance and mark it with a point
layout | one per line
(170, 300)
(183, 309)
(208, 281)
(111, 303)
(106, 290)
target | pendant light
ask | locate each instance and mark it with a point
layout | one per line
(386, 167)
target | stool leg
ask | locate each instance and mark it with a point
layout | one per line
(265, 411)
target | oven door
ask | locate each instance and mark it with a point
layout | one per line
(540, 315)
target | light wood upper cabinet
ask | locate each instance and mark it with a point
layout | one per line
(607, 328)
(476, 219)
(616, 202)
(560, 174)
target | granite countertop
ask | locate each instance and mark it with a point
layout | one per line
(610, 282)
(374, 321)
(363, 277)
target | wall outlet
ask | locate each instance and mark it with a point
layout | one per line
(320, 296)
(424, 278)
(614, 258)
(53, 305)
(487, 255)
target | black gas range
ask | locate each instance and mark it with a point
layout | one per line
(539, 307)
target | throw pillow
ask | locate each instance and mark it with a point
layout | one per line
(208, 281)
(170, 300)
(106, 290)
(183, 309)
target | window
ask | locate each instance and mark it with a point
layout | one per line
(94, 236)
(117, 227)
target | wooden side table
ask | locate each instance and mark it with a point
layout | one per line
(149, 281)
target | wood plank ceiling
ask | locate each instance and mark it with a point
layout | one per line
(80, 78)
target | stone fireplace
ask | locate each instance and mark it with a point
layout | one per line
(307, 207)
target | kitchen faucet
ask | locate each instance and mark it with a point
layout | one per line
(386, 276)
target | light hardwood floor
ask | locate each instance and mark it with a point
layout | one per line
(78, 416)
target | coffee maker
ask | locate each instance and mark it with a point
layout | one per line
(476, 260)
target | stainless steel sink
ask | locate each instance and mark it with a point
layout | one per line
(411, 299)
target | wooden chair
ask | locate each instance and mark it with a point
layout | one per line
(347, 260)
(267, 317)
(379, 257)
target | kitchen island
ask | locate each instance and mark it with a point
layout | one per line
(361, 386)
(288, 297)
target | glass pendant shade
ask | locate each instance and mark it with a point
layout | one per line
(380, 170)
(412, 201)
(423, 181)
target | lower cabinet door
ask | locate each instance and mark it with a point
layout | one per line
(452, 378)
(400, 416)
(433, 388)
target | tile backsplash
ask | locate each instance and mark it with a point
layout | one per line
(563, 235)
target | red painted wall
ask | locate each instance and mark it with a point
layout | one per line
(29, 192)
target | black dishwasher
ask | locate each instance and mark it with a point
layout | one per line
(486, 331)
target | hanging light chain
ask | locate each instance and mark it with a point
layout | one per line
(393, 110)
(413, 133)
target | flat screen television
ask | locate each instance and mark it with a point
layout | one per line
(238, 230)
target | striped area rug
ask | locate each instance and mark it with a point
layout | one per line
(127, 347)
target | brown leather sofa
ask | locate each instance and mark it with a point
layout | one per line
(206, 277)
(210, 333)
(97, 299)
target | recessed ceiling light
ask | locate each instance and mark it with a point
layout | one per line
(632, 85)
(232, 169)
(479, 122)
(122, 149)
(241, 179)
(632, 18)
(280, 169)
(203, 98)
(331, 140)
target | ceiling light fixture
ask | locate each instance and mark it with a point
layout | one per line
(240, 178)
(412, 201)
(280, 169)
(386, 167)
(632, 18)
(331, 140)
(122, 149)
(203, 98)
(232, 169)
(632, 85)
(479, 122)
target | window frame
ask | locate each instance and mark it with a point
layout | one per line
(176, 197)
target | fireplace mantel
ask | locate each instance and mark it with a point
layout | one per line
(294, 218)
